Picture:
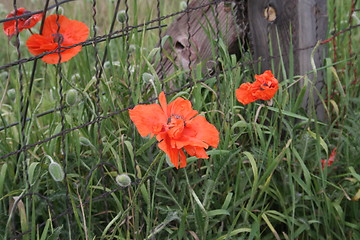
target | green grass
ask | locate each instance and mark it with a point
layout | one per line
(264, 181)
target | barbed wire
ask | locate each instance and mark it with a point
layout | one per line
(240, 64)
(66, 131)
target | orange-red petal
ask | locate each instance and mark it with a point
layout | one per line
(198, 133)
(244, 93)
(177, 156)
(330, 160)
(66, 55)
(38, 44)
(266, 85)
(182, 108)
(198, 152)
(266, 94)
(162, 102)
(148, 119)
(266, 76)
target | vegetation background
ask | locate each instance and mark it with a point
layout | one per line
(264, 181)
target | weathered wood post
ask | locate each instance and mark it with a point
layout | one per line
(291, 28)
(191, 34)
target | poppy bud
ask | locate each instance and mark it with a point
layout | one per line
(11, 93)
(55, 170)
(75, 77)
(147, 77)
(121, 16)
(183, 5)
(59, 10)
(132, 48)
(71, 97)
(123, 180)
(85, 142)
(107, 65)
(4, 75)
(153, 53)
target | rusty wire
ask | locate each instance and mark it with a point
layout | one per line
(116, 112)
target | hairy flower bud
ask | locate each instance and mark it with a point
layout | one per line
(71, 97)
(123, 180)
(121, 16)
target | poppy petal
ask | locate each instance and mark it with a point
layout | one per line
(163, 104)
(266, 94)
(37, 44)
(244, 93)
(198, 152)
(66, 55)
(206, 132)
(177, 156)
(198, 133)
(20, 24)
(52, 23)
(148, 119)
(181, 107)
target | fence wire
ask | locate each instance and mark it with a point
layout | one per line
(125, 33)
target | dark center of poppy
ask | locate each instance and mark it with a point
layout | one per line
(175, 126)
(171, 118)
(58, 37)
(27, 17)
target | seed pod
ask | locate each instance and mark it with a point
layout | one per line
(85, 142)
(123, 180)
(147, 77)
(121, 16)
(11, 94)
(75, 77)
(71, 97)
(132, 48)
(183, 5)
(55, 170)
(4, 75)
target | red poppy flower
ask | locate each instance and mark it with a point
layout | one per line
(263, 88)
(177, 127)
(71, 32)
(329, 161)
(23, 23)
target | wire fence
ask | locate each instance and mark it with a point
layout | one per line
(124, 33)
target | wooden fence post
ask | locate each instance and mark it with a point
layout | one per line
(191, 33)
(291, 28)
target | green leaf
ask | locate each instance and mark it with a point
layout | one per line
(2, 177)
(322, 142)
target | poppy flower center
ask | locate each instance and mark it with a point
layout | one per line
(58, 38)
(25, 18)
(267, 85)
(175, 126)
